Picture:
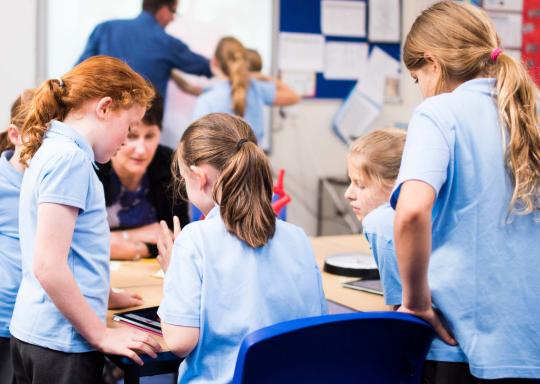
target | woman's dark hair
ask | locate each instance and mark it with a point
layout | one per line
(152, 6)
(154, 114)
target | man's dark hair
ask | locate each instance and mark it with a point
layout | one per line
(153, 6)
(154, 115)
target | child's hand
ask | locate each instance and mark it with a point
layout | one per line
(165, 242)
(432, 317)
(119, 300)
(128, 342)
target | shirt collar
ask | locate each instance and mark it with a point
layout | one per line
(483, 84)
(6, 166)
(147, 17)
(60, 129)
(213, 212)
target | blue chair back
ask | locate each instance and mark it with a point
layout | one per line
(369, 347)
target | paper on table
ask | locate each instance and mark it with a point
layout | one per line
(509, 28)
(115, 265)
(355, 116)
(159, 274)
(380, 67)
(384, 23)
(503, 5)
(343, 18)
(301, 52)
(301, 82)
(345, 61)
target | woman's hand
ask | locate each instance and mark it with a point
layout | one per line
(120, 300)
(432, 317)
(165, 242)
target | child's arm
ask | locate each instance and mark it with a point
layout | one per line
(120, 300)
(184, 85)
(284, 94)
(55, 227)
(412, 236)
(181, 340)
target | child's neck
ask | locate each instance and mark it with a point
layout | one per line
(14, 161)
(82, 125)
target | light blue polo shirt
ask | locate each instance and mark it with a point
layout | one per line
(62, 172)
(378, 227)
(227, 289)
(217, 98)
(10, 253)
(484, 268)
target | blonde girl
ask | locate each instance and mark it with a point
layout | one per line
(59, 318)
(237, 93)
(238, 270)
(467, 197)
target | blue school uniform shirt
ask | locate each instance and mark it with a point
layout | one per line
(378, 227)
(61, 172)
(484, 268)
(217, 98)
(227, 289)
(147, 48)
(10, 253)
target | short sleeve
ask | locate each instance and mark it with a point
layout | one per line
(425, 157)
(182, 286)
(66, 179)
(267, 90)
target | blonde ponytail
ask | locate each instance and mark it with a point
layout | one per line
(244, 186)
(517, 103)
(231, 57)
(463, 44)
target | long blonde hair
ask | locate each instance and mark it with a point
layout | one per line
(461, 38)
(232, 59)
(244, 186)
(377, 155)
(94, 78)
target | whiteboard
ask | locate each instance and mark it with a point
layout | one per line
(199, 24)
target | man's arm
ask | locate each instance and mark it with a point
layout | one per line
(188, 61)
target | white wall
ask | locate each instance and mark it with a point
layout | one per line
(304, 144)
(18, 52)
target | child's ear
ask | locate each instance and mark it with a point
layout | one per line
(103, 107)
(200, 176)
(13, 134)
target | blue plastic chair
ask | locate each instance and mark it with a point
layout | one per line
(369, 347)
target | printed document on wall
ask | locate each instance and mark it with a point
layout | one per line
(345, 61)
(343, 18)
(503, 5)
(384, 21)
(381, 67)
(355, 116)
(508, 27)
(301, 52)
(301, 82)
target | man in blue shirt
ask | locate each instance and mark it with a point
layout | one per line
(143, 43)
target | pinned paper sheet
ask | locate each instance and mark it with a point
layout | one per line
(380, 67)
(503, 5)
(345, 61)
(355, 116)
(509, 28)
(303, 83)
(301, 52)
(384, 23)
(343, 18)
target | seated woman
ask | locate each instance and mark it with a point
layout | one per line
(136, 183)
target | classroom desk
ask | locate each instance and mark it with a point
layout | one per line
(136, 276)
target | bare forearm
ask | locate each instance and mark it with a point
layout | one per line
(58, 282)
(146, 234)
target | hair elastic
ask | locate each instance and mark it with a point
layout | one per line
(495, 53)
(240, 142)
(60, 82)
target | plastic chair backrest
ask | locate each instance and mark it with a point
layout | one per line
(369, 347)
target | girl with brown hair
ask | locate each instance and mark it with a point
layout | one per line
(238, 270)
(238, 93)
(58, 321)
(468, 198)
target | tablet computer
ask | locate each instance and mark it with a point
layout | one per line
(371, 286)
(145, 318)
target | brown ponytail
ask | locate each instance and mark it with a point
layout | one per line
(231, 57)
(93, 79)
(244, 186)
(462, 43)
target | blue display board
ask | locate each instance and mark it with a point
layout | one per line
(304, 16)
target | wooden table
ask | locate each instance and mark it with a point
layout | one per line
(136, 276)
